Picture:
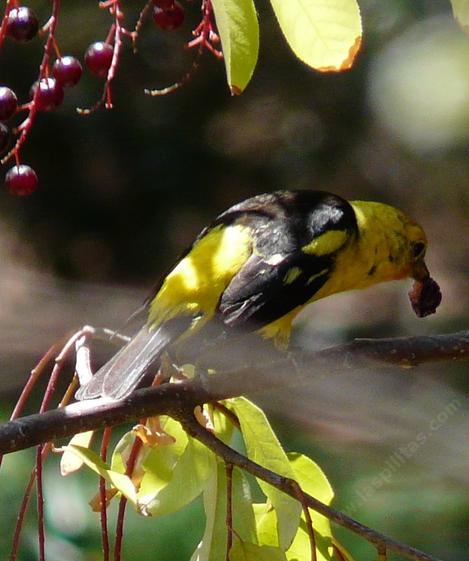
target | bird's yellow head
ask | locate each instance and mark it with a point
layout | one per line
(394, 241)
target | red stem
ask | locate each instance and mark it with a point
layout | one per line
(33, 377)
(42, 450)
(111, 74)
(21, 514)
(138, 26)
(123, 501)
(229, 509)
(102, 496)
(41, 536)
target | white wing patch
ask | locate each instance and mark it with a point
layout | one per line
(275, 259)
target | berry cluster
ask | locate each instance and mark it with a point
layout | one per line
(101, 59)
(46, 94)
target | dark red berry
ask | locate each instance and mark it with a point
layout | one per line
(8, 103)
(50, 95)
(169, 18)
(4, 137)
(98, 58)
(21, 180)
(67, 71)
(22, 24)
(425, 297)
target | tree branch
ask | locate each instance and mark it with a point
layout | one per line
(179, 399)
(281, 370)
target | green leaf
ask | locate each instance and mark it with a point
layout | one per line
(242, 551)
(120, 481)
(213, 544)
(187, 481)
(266, 523)
(264, 448)
(239, 34)
(158, 467)
(461, 13)
(121, 452)
(313, 481)
(324, 35)
(223, 427)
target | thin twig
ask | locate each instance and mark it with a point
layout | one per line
(136, 447)
(138, 26)
(41, 534)
(21, 515)
(229, 508)
(300, 495)
(382, 553)
(102, 496)
(230, 415)
(289, 487)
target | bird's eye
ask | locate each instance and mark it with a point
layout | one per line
(418, 250)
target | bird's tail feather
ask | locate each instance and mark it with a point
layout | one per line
(126, 369)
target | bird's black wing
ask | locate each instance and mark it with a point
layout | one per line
(282, 274)
(261, 292)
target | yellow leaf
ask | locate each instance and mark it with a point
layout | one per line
(118, 480)
(70, 462)
(324, 35)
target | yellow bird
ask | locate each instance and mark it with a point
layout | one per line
(258, 264)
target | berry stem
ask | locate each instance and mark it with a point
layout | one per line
(58, 54)
(114, 36)
(138, 26)
(119, 18)
(180, 83)
(111, 34)
(205, 37)
(205, 34)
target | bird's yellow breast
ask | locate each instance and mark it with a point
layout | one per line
(195, 285)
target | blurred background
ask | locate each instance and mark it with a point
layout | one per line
(122, 192)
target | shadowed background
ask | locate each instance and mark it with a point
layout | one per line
(123, 192)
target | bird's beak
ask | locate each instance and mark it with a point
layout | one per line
(420, 271)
